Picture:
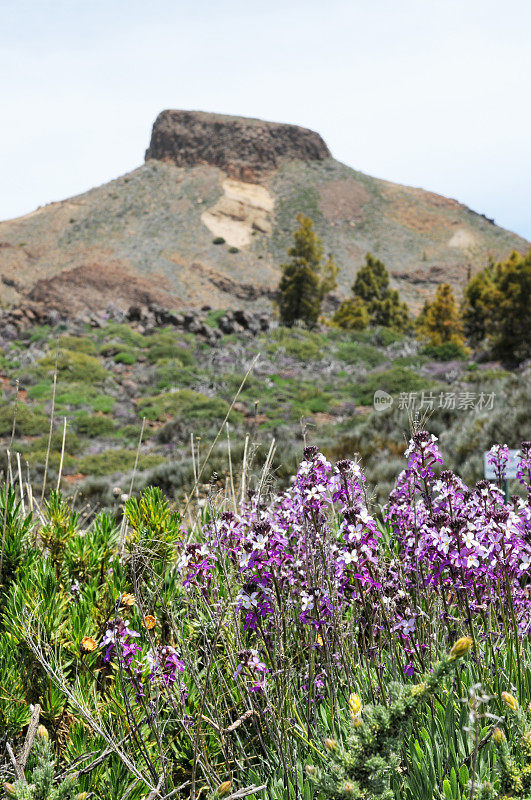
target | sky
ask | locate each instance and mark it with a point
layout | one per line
(429, 93)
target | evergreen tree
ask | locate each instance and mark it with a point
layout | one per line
(304, 282)
(383, 304)
(352, 314)
(497, 308)
(440, 321)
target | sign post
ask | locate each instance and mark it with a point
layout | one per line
(510, 469)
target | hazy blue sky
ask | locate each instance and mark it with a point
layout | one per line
(432, 93)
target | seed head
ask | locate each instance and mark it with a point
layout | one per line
(498, 736)
(510, 701)
(42, 733)
(330, 744)
(461, 648)
(224, 788)
(354, 704)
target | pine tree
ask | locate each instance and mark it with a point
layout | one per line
(497, 308)
(372, 286)
(352, 315)
(304, 282)
(440, 322)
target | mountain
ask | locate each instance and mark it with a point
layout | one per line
(207, 219)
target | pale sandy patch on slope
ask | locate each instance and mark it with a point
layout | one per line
(243, 208)
(463, 239)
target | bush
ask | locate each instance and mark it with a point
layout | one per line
(449, 351)
(218, 240)
(80, 344)
(353, 352)
(117, 461)
(29, 421)
(393, 381)
(73, 366)
(92, 425)
(125, 357)
(184, 403)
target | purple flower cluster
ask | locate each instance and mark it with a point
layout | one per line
(302, 559)
(468, 546)
(161, 663)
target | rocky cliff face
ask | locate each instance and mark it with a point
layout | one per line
(245, 149)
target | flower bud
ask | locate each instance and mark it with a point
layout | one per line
(354, 704)
(510, 701)
(461, 648)
(498, 736)
(224, 788)
(348, 789)
(42, 733)
(330, 744)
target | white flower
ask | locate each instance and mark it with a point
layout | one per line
(526, 562)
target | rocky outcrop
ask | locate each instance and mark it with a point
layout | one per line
(244, 148)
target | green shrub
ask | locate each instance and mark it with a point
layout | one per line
(393, 381)
(121, 332)
(80, 344)
(166, 345)
(354, 352)
(234, 249)
(448, 351)
(92, 425)
(172, 373)
(73, 366)
(184, 403)
(125, 357)
(301, 344)
(29, 421)
(115, 461)
(218, 240)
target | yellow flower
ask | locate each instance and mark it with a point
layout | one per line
(88, 644)
(419, 688)
(498, 736)
(224, 788)
(127, 599)
(510, 701)
(319, 640)
(354, 704)
(462, 647)
(348, 789)
(150, 622)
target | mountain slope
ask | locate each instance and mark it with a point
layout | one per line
(154, 234)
